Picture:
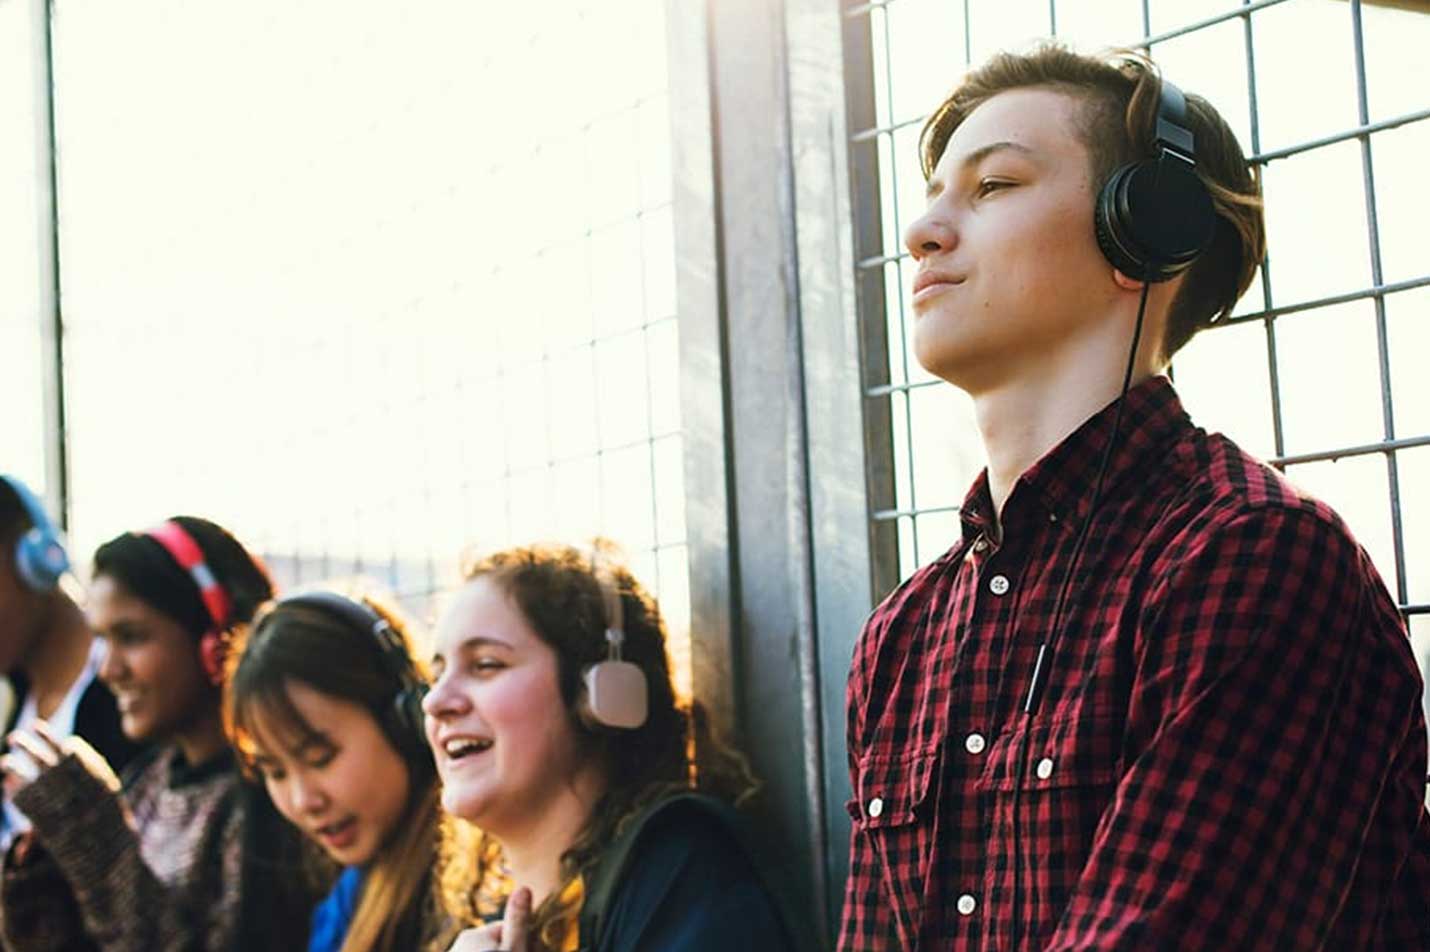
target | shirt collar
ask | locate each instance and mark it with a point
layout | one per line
(1060, 484)
(182, 773)
(976, 513)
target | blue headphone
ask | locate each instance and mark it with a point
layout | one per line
(40, 557)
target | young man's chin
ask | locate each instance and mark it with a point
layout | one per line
(947, 364)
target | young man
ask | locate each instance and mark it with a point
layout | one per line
(46, 648)
(1224, 748)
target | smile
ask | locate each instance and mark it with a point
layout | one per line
(462, 747)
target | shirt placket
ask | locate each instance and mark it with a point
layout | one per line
(991, 583)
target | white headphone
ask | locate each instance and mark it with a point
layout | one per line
(615, 690)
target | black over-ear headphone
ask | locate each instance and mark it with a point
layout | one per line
(401, 720)
(1155, 216)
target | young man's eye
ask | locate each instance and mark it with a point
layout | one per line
(989, 186)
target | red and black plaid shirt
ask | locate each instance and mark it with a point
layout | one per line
(1230, 753)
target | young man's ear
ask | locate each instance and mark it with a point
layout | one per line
(1126, 283)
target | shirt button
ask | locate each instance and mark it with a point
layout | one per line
(1045, 768)
(876, 807)
(966, 905)
(974, 743)
(998, 585)
(979, 544)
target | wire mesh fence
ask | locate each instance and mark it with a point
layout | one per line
(1316, 371)
(373, 301)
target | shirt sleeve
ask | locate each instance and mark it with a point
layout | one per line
(690, 888)
(123, 906)
(866, 918)
(1271, 741)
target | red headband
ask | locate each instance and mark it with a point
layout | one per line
(179, 544)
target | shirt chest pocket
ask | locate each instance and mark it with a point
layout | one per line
(1067, 754)
(1066, 786)
(894, 814)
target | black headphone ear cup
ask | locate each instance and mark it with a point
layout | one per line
(406, 728)
(1105, 226)
(1153, 218)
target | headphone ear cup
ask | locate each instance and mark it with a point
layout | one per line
(1153, 218)
(1105, 226)
(213, 651)
(406, 727)
(40, 560)
(614, 694)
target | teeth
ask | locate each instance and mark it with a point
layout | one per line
(463, 746)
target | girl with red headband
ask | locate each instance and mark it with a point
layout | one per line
(181, 853)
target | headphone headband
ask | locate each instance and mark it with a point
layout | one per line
(614, 612)
(357, 614)
(182, 548)
(1173, 132)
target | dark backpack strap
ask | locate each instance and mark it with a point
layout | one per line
(610, 872)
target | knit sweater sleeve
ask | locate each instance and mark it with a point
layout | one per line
(123, 905)
(38, 910)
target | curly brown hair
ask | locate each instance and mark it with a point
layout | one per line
(557, 590)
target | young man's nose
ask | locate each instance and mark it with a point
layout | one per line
(929, 234)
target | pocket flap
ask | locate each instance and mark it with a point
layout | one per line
(1071, 753)
(893, 790)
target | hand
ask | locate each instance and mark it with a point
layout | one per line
(38, 750)
(509, 935)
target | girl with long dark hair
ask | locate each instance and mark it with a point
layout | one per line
(324, 706)
(180, 854)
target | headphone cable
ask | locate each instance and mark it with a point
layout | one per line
(1044, 662)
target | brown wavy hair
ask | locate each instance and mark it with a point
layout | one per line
(1120, 90)
(556, 589)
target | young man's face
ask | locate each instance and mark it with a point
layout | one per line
(1010, 275)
